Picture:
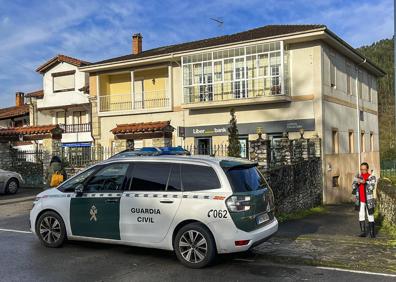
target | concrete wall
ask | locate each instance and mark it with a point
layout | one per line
(339, 113)
(52, 99)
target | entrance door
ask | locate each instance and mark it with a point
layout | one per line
(204, 145)
(150, 205)
(138, 89)
(97, 212)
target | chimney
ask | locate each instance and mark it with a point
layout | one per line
(137, 43)
(19, 99)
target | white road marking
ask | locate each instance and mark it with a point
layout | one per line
(15, 231)
(357, 271)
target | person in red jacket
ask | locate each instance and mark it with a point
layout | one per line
(363, 189)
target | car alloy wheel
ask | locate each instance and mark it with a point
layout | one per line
(12, 186)
(50, 229)
(193, 246)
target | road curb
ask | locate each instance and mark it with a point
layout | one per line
(15, 201)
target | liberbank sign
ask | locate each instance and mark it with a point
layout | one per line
(277, 126)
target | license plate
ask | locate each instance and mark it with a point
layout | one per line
(262, 218)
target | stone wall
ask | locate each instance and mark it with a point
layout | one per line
(386, 198)
(296, 186)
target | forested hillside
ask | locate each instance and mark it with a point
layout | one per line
(382, 54)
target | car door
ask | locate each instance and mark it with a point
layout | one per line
(151, 202)
(96, 213)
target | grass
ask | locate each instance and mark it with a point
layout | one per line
(282, 217)
(385, 226)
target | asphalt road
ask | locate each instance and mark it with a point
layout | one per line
(23, 258)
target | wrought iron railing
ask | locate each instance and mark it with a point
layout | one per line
(73, 128)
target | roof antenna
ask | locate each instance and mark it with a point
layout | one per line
(219, 21)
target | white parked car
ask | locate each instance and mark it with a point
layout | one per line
(9, 182)
(195, 206)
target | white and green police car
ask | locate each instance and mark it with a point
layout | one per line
(197, 206)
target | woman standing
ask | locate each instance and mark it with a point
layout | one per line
(363, 189)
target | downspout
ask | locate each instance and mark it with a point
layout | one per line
(183, 112)
(358, 112)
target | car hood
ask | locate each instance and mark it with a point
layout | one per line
(48, 192)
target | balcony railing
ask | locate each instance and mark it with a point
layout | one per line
(74, 128)
(232, 91)
(124, 102)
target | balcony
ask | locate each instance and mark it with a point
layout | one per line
(76, 128)
(233, 94)
(149, 100)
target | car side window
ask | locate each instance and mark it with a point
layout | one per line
(174, 182)
(109, 178)
(197, 177)
(147, 176)
(71, 184)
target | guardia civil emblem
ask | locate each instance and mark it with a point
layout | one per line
(93, 212)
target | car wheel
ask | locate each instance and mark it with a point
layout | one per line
(12, 186)
(195, 246)
(51, 230)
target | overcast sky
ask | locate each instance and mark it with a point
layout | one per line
(33, 31)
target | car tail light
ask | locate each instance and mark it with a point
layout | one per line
(238, 203)
(241, 242)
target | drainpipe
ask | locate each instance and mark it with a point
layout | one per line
(358, 112)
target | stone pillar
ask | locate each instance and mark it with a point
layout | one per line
(316, 147)
(162, 142)
(6, 158)
(260, 151)
(283, 150)
(120, 145)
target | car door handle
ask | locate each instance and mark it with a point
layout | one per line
(166, 202)
(111, 201)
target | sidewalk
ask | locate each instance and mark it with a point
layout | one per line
(23, 194)
(330, 239)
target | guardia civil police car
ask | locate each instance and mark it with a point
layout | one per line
(195, 205)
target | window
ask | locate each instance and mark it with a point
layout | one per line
(335, 144)
(371, 141)
(109, 178)
(244, 179)
(360, 84)
(79, 117)
(361, 115)
(348, 79)
(174, 182)
(60, 117)
(63, 81)
(369, 83)
(150, 176)
(333, 70)
(196, 177)
(362, 143)
(351, 141)
(336, 181)
(233, 73)
(71, 184)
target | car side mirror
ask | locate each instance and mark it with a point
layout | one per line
(79, 190)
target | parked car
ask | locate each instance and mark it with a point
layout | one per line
(9, 182)
(174, 151)
(196, 206)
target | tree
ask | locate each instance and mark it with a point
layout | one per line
(234, 147)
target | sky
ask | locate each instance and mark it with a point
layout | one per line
(34, 31)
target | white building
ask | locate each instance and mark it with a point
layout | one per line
(64, 100)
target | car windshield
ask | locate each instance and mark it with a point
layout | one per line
(245, 179)
(71, 184)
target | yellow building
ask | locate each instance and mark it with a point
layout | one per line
(280, 78)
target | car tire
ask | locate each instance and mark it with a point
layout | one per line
(51, 229)
(12, 186)
(195, 246)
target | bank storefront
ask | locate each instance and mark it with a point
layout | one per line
(206, 137)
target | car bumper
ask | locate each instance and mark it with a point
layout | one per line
(227, 236)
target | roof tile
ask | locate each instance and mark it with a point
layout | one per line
(155, 126)
(11, 112)
(28, 130)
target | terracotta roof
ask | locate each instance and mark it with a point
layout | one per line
(11, 112)
(28, 130)
(35, 94)
(257, 33)
(143, 127)
(58, 59)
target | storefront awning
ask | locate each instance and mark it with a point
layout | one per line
(143, 130)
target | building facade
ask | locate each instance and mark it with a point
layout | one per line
(282, 78)
(64, 101)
